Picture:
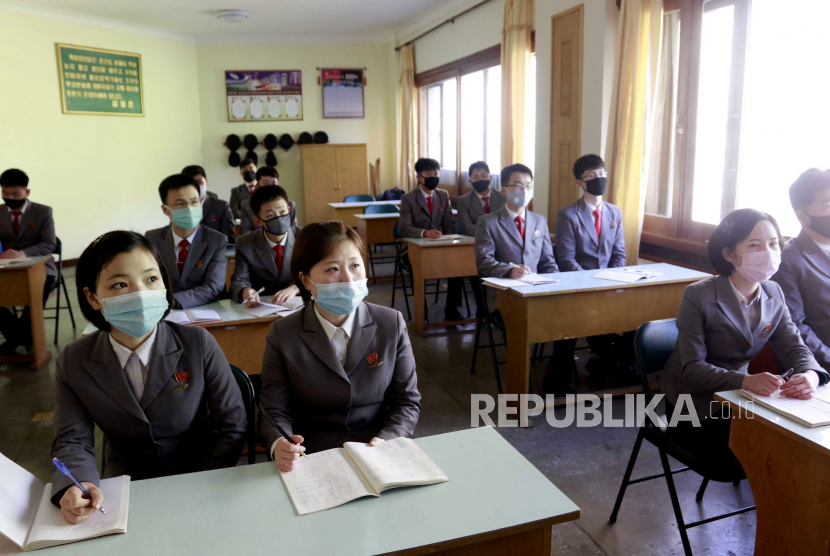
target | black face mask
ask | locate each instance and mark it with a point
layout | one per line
(14, 204)
(481, 185)
(597, 186)
(278, 225)
(248, 176)
(820, 225)
(430, 183)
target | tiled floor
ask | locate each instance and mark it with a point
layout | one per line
(587, 464)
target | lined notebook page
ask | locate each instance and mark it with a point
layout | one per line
(811, 413)
(394, 463)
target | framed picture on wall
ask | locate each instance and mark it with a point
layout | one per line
(264, 95)
(342, 93)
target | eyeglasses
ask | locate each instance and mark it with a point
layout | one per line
(521, 187)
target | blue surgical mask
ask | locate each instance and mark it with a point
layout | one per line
(341, 298)
(135, 314)
(187, 218)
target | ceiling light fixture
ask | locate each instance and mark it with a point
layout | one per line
(231, 16)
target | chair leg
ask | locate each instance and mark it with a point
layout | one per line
(467, 301)
(57, 311)
(475, 346)
(493, 355)
(372, 263)
(68, 302)
(394, 281)
(627, 477)
(701, 490)
(687, 549)
(533, 353)
(437, 289)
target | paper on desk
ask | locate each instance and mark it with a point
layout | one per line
(14, 260)
(179, 317)
(264, 309)
(446, 237)
(20, 494)
(524, 282)
(203, 315)
(619, 276)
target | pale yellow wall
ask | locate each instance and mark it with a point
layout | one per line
(98, 173)
(376, 129)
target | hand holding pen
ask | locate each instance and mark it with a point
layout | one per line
(518, 270)
(80, 501)
(254, 297)
(288, 448)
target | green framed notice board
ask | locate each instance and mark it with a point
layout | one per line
(98, 81)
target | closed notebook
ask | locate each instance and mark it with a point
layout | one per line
(193, 316)
(811, 413)
(333, 477)
(525, 281)
(30, 520)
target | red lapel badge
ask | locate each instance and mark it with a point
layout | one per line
(180, 377)
(32, 225)
(199, 264)
(372, 357)
(213, 218)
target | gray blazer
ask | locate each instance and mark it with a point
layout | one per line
(415, 216)
(239, 194)
(37, 233)
(247, 219)
(217, 216)
(171, 430)
(577, 245)
(804, 276)
(308, 391)
(715, 345)
(256, 266)
(470, 208)
(498, 243)
(202, 279)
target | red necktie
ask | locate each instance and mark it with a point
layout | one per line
(16, 221)
(598, 221)
(182, 254)
(429, 203)
(520, 223)
(278, 258)
(252, 190)
(486, 204)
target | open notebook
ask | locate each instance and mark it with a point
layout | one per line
(30, 520)
(267, 309)
(811, 413)
(625, 275)
(531, 279)
(331, 478)
(193, 316)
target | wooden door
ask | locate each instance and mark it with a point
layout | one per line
(565, 109)
(319, 181)
(352, 171)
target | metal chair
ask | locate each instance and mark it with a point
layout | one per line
(483, 319)
(358, 199)
(247, 390)
(379, 209)
(653, 344)
(401, 263)
(59, 284)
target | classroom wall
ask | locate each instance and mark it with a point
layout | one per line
(98, 173)
(377, 129)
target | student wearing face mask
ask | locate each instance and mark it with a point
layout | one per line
(247, 169)
(340, 370)
(264, 176)
(482, 200)
(193, 256)
(724, 322)
(263, 256)
(216, 214)
(804, 274)
(162, 393)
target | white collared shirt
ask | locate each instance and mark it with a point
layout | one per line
(271, 244)
(481, 197)
(177, 248)
(750, 308)
(592, 208)
(21, 209)
(135, 367)
(824, 247)
(513, 215)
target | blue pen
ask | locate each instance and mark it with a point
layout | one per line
(62, 468)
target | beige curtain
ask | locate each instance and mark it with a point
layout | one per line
(408, 120)
(637, 53)
(515, 57)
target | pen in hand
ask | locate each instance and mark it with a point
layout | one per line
(259, 291)
(63, 469)
(786, 376)
(279, 428)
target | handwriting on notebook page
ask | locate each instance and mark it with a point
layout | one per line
(393, 462)
(323, 480)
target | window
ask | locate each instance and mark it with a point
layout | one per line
(439, 101)
(481, 119)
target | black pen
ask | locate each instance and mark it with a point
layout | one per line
(276, 426)
(786, 376)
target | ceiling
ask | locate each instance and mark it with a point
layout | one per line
(268, 20)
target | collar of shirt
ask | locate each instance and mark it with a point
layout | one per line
(743, 301)
(513, 215)
(426, 195)
(347, 326)
(483, 195)
(143, 351)
(591, 207)
(21, 209)
(824, 248)
(177, 240)
(271, 244)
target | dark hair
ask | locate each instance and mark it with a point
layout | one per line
(14, 178)
(267, 171)
(265, 194)
(732, 230)
(314, 243)
(99, 254)
(587, 162)
(480, 165)
(194, 170)
(246, 162)
(803, 190)
(176, 181)
(426, 164)
(514, 169)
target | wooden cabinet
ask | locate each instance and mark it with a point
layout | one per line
(330, 172)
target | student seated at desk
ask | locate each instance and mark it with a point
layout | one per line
(339, 370)
(724, 322)
(216, 214)
(26, 229)
(482, 200)
(193, 257)
(427, 212)
(804, 274)
(263, 256)
(265, 176)
(162, 393)
(247, 169)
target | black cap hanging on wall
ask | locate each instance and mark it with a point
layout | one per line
(305, 138)
(233, 143)
(286, 142)
(321, 138)
(253, 156)
(270, 142)
(271, 159)
(234, 159)
(250, 141)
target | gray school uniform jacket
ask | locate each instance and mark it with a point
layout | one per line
(216, 215)
(239, 194)
(308, 391)
(247, 218)
(415, 216)
(577, 245)
(256, 265)
(498, 244)
(804, 276)
(715, 345)
(202, 279)
(171, 430)
(470, 209)
(36, 237)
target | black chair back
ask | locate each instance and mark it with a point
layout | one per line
(654, 343)
(247, 390)
(58, 250)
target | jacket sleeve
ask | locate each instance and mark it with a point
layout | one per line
(485, 249)
(402, 399)
(447, 225)
(46, 237)
(788, 346)
(547, 262)
(566, 244)
(618, 249)
(241, 278)
(405, 221)
(213, 283)
(275, 397)
(466, 225)
(226, 224)
(246, 221)
(234, 202)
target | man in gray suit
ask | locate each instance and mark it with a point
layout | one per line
(482, 200)
(247, 169)
(216, 214)
(804, 274)
(26, 229)
(265, 176)
(194, 257)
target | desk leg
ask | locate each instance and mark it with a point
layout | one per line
(514, 313)
(791, 486)
(37, 278)
(418, 277)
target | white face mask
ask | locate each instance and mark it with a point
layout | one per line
(202, 191)
(759, 266)
(520, 198)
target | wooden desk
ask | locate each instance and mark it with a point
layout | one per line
(580, 305)
(345, 212)
(376, 228)
(495, 503)
(237, 223)
(22, 284)
(231, 254)
(788, 467)
(435, 258)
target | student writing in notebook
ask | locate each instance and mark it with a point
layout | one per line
(723, 323)
(216, 214)
(264, 176)
(162, 393)
(339, 370)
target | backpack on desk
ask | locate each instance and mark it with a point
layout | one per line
(393, 194)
